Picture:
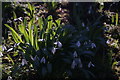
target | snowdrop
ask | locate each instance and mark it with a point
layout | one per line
(24, 62)
(108, 41)
(9, 78)
(36, 58)
(90, 8)
(83, 24)
(1, 54)
(53, 50)
(41, 39)
(93, 45)
(78, 44)
(58, 43)
(80, 63)
(90, 64)
(9, 49)
(73, 64)
(4, 48)
(87, 28)
(75, 54)
(20, 19)
(32, 57)
(43, 60)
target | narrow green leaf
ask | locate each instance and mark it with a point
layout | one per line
(16, 37)
(112, 18)
(116, 18)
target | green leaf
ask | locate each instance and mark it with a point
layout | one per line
(36, 37)
(117, 18)
(16, 37)
(30, 31)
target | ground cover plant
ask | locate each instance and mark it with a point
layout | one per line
(60, 41)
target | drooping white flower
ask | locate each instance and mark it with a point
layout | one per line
(87, 28)
(93, 45)
(43, 60)
(75, 54)
(78, 43)
(90, 8)
(9, 49)
(83, 24)
(90, 64)
(4, 48)
(1, 54)
(15, 20)
(36, 58)
(32, 57)
(73, 64)
(24, 62)
(20, 19)
(40, 39)
(101, 3)
(53, 50)
(9, 78)
(58, 43)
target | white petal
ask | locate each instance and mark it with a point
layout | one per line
(1, 54)
(73, 64)
(59, 44)
(80, 63)
(78, 44)
(75, 54)
(24, 62)
(53, 50)
(43, 60)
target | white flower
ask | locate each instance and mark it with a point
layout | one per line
(90, 8)
(93, 45)
(58, 43)
(108, 42)
(78, 44)
(87, 28)
(15, 20)
(43, 60)
(20, 19)
(4, 48)
(31, 57)
(53, 50)
(73, 64)
(35, 58)
(112, 44)
(1, 54)
(75, 54)
(9, 78)
(40, 39)
(80, 63)
(90, 64)
(83, 24)
(102, 3)
(24, 62)
(9, 49)
(9, 21)
(37, 18)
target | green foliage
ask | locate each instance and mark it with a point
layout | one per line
(39, 44)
